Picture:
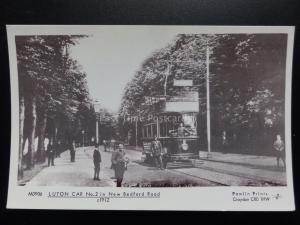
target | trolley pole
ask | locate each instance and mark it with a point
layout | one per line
(208, 103)
(166, 78)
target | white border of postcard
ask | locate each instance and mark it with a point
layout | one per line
(190, 198)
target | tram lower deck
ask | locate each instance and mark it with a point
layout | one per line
(178, 137)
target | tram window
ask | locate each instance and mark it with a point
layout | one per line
(146, 131)
(190, 123)
(149, 131)
(165, 130)
(154, 130)
(171, 129)
(171, 126)
(151, 127)
(162, 130)
(143, 132)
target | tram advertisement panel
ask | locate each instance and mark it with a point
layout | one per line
(186, 101)
(150, 117)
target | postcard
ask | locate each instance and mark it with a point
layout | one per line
(115, 117)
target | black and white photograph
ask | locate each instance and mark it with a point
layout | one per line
(150, 108)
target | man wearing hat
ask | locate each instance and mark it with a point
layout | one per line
(120, 165)
(50, 154)
(157, 151)
(279, 150)
(97, 161)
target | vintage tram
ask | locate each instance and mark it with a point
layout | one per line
(175, 125)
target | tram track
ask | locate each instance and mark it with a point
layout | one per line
(218, 176)
(197, 177)
(250, 180)
(243, 175)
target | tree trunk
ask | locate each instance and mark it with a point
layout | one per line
(41, 142)
(21, 126)
(31, 138)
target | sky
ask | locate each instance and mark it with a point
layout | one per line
(111, 57)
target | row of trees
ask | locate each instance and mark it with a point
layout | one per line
(247, 80)
(54, 101)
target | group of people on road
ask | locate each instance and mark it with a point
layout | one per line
(157, 151)
(278, 146)
(110, 144)
(54, 151)
(119, 160)
(119, 163)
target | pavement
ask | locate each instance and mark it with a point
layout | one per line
(78, 173)
(263, 162)
(220, 169)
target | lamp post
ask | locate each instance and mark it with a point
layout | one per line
(97, 111)
(208, 104)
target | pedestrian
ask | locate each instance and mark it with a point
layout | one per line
(50, 154)
(157, 152)
(113, 144)
(113, 160)
(121, 165)
(58, 149)
(224, 141)
(105, 145)
(73, 151)
(279, 150)
(97, 161)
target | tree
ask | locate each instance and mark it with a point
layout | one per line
(246, 79)
(52, 86)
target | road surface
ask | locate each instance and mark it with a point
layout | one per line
(139, 174)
